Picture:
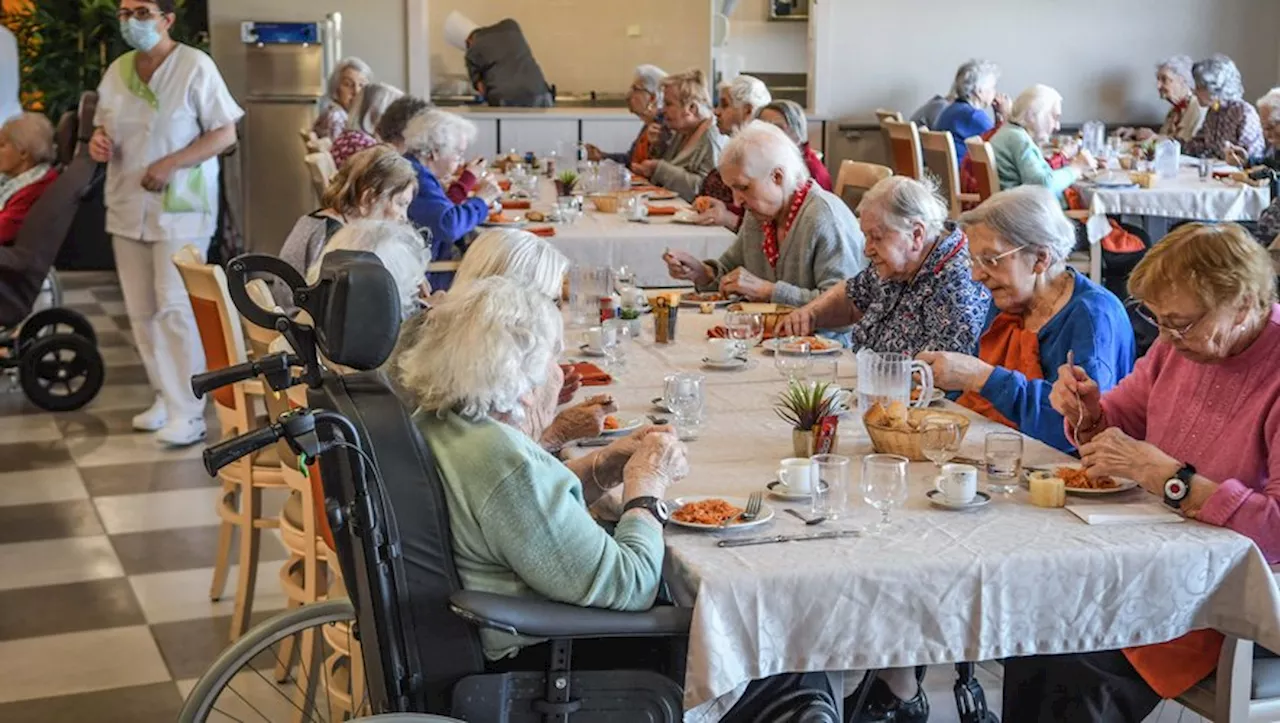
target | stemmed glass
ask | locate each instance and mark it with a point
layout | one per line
(884, 485)
(940, 440)
(682, 394)
(744, 326)
(792, 358)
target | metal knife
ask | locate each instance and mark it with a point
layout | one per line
(770, 539)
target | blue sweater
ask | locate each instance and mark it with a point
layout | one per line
(446, 221)
(1095, 325)
(964, 121)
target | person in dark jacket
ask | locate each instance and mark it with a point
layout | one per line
(500, 62)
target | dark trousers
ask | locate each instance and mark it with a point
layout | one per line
(1077, 688)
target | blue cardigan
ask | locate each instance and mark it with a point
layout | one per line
(448, 222)
(964, 121)
(1095, 325)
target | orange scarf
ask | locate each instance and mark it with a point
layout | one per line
(1005, 344)
(640, 152)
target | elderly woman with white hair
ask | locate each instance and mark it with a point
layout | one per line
(1036, 114)
(976, 104)
(789, 116)
(397, 245)
(644, 100)
(917, 294)
(435, 141)
(1267, 228)
(695, 149)
(740, 102)
(362, 123)
(796, 241)
(1019, 241)
(1229, 121)
(26, 167)
(345, 83)
(1176, 85)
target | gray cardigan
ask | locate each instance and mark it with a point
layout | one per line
(824, 248)
(683, 169)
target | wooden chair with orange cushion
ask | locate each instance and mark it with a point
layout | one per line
(241, 505)
(904, 148)
(856, 178)
(939, 154)
(983, 158)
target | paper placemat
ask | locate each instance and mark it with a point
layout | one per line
(1122, 514)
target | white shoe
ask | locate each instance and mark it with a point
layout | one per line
(153, 419)
(182, 432)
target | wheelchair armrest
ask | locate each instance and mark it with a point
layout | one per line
(535, 618)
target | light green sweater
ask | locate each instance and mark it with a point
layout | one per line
(1019, 162)
(520, 525)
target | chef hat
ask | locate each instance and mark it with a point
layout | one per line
(457, 28)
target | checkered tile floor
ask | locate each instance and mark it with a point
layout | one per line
(106, 554)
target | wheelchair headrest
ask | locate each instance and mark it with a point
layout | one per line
(354, 307)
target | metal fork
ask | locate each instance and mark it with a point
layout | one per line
(1071, 365)
(750, 513)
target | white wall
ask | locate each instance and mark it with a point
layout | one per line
(1099, 53)
(757, 44)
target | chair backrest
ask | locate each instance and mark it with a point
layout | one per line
(883, 115)
(904, 148)
(939, 153)
(322, 169)
(221, 333)
(983, 159)
(856, 178)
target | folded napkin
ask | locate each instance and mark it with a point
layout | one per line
(517, 203)
(717, 332)
(662, 210)
(1120, 513)
(543, 231)
(592, 375)
(504, 184)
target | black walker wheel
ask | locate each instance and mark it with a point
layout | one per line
(61, 373)
(55, 321)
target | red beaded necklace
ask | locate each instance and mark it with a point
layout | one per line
(771, 251)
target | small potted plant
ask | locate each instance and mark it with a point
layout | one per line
(812, 409)
(565, 183)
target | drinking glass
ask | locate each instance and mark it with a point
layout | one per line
(824, 369)
(625, 276)
(1003, 452)
(745, 327)
(830, 494)
(940, 440)
(884, 485)
(586, 285)
(616, 333)
(682, 394)
(792, 358)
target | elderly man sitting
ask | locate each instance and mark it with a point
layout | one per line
(644, 100)
(26, 155)
(917, 294)
(797, 239)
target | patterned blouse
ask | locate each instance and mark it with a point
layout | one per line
(941, 309)
(715, 187)
(350, 143)
(330, 122)
(1228, 121)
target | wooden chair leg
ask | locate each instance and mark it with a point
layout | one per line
(311, 676)
(284, 663)
(221, 563)
(250, 541)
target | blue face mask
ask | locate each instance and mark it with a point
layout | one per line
(141, 34)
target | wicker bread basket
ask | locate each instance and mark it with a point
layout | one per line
(893, 440)
(606, 202)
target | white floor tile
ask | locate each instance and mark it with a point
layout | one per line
(123, 396)
(115, 308)
(31, 487)
(158, 510)
(185, 686)
(102, 323)
(55, 562)
(78, 296)
(79, 663)
(30, 428)
(250, 697)
(127, 448)
(171, 596)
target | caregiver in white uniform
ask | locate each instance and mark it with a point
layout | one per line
(164, 115)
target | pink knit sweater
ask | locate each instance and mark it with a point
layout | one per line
(1223, 418)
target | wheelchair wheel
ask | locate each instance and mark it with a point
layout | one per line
(61, 373)
(55, 321)
(244, 683)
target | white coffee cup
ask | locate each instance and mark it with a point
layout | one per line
(796, 474)
(958, 483)
(724, 350)
(596, 336)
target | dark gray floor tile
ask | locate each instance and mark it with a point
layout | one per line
(48, 521)
(95, 424)
(189, 548)
(94, 605)
(127, 479)
(87, 279)
(25, 456)
(86, 309)
(121, 320)
(130, 374)
(189, 647)
(113, 338)
(107, 293)
(156, 703)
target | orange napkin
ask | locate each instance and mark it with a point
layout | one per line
(516, 203)
(504, 184)
(717, 332)
(661, 210)
(543, 231)
(592, 375)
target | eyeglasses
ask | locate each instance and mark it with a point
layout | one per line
(143, 13)
(990, 262)
(1149, 316)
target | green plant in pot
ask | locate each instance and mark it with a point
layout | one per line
(565, 183)
(812, 409)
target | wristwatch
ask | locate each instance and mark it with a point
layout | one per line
(1177, 487)
(656, 507)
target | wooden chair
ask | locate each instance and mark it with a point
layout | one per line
(240, 507)
(904, 148)
(344, 668)
(856, 178)
(983, 158)
(321, 169)
(939, 153)
(883, 115)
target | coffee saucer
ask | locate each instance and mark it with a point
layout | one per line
(982, 499)
(780, 491)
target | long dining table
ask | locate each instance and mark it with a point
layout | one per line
(1007, 579)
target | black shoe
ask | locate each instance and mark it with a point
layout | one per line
(891, 709)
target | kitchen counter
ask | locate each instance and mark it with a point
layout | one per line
(567, 112)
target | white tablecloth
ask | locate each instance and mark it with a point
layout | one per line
(1009, 579)
(608, 239)
(1183, 197)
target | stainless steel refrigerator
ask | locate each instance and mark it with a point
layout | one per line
(286, 70)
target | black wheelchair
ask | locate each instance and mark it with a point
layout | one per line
(417, 629)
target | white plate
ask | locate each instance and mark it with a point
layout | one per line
(628, 426)
(693, 303)
(766, 513)
(724, 365)
(771, 345)
(661, 195)
(518, 223)
(686, 216)
(937, 500)
(780, 491)
(1122, 484)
